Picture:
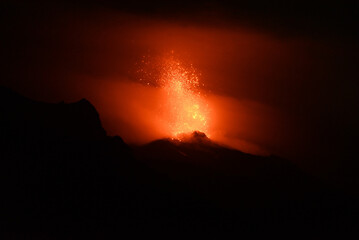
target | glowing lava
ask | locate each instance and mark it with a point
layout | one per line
(186, 108)
(183, 108)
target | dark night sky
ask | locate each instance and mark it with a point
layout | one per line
(298, 57)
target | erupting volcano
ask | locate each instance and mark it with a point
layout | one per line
(184, 108)
(187, 109)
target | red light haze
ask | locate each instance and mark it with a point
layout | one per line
(258, 90)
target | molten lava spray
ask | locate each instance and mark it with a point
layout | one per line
(184, 108)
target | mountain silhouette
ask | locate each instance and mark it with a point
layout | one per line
(60, 172)
(224, 175)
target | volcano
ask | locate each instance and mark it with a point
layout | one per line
(63, 173)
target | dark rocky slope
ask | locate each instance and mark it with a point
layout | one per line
(60, 173)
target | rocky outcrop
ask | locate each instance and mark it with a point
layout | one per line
(34, 121)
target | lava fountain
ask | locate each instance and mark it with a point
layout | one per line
(184, 108)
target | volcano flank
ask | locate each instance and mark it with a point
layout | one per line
(62, 173)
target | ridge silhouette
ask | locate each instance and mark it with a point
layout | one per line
(62, 173)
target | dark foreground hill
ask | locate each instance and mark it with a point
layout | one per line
(60, 173)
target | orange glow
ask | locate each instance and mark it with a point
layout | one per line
(143, 91)
(186, 109)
